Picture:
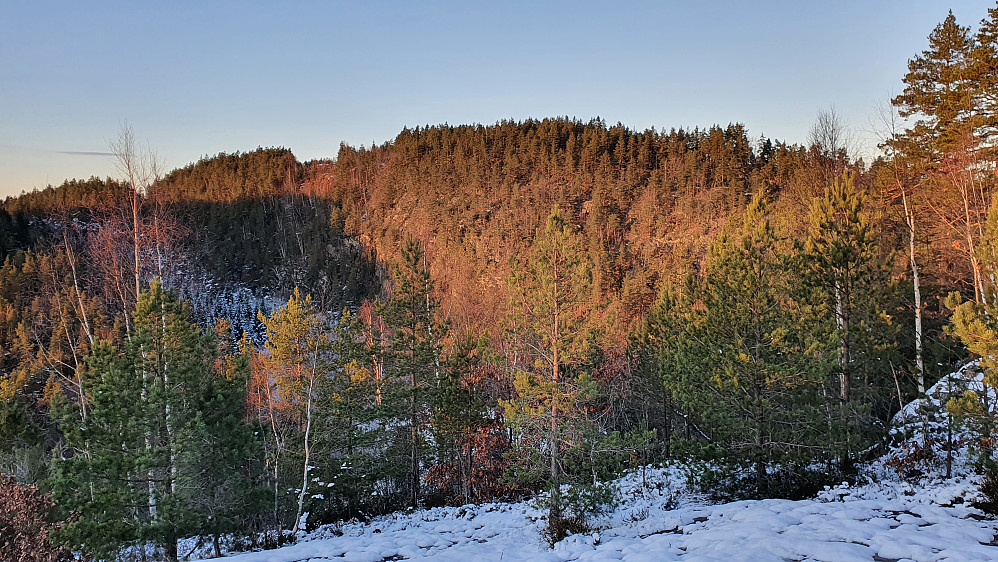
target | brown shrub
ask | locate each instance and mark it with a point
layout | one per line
(25, 524)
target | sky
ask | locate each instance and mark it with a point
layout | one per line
(195, 78)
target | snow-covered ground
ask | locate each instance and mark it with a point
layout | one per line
(886, 521)
(886, 518)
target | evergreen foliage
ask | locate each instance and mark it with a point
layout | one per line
(468, 431)
(228, 177)
(974, 324)
(350, 434)
(846, 285)
(416, 364)
(298, 346)
(556, 321)
(135, 467)
(736, 360)
(947, 104)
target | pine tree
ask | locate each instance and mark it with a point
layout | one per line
(730, 355)
(975, 325)
(943, 94)
(415, 353)
(136, 470)
(102, 477)
(985, 69)
(553, 322)
(228, 475)
(939, 88)
(846, 280)
(461, 418)
(348, 430)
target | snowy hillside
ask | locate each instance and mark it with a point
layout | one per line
(886, 518)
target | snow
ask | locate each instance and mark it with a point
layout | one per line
(887, 520)
(969, 377)
(659, 518)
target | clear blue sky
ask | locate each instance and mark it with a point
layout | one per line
(198, 78)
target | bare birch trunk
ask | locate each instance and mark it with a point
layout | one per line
(308, 450)
(909, 213)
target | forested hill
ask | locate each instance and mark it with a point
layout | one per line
(265, 172)
(670, 246)
(646, 203)
(248, 222)
(234, 233)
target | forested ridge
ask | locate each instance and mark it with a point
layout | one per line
(250, 346)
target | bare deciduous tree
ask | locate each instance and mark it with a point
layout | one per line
(139, 170)
(831, 139)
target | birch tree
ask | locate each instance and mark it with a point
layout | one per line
(297, 343)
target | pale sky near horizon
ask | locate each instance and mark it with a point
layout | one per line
(195, 78)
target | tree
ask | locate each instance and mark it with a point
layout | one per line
(228, 477)
(901, 184)
(45, 332)
(298, 344)
(847, 279)
(553, 313)
(828, 137)
(349, 429)
(942, 91)
(985, 69)
(731, 355)
(139, 170)
(468, 430)
(135, 469)
(276, 415)
(974, 324)
(415, 351)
